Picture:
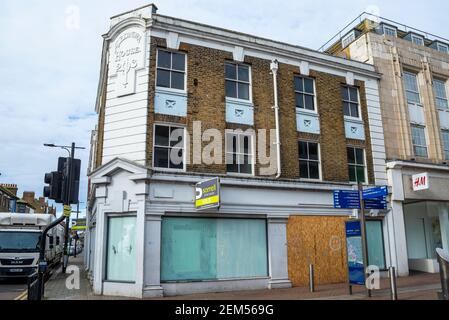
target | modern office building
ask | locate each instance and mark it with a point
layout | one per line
(172, 97)
(415, 113)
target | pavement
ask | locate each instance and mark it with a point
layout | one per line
(418, 286)
(65, 287)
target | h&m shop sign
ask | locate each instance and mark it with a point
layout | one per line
(420, 182)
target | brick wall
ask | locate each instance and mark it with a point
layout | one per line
(206, 103)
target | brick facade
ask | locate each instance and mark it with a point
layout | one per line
(206, 103)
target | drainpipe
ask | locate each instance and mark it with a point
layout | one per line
(274, 70)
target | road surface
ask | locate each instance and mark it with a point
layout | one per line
(10, 289)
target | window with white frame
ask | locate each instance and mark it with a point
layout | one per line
(238, 81)
(305, 93)
(239, 152)
(351, 103)
(168, 147)
(348, 39)
(411, 88)
(439, 87)
(356, 165)
(443, 47)
(171, 70)
(309, 160)
(390, 31)
(418, 40)
(445, 138)
(419, 141)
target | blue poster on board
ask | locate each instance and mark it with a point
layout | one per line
(354, 250)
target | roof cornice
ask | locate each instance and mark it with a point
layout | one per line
(202, 31)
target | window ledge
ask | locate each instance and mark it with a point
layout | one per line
(415, 104)
(167, 170)
(351, 119)
(310, 180)
(306, 112)
(240, 175)
(182, 93)
(240, 101)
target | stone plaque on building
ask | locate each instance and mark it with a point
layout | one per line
(127, 56)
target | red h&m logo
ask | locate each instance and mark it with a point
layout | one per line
(420, 182)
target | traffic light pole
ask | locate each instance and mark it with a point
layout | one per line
(67, 202)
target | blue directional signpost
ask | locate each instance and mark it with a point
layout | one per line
(346, 199)
(372, 199)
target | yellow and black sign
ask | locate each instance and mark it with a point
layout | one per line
(67, 211)
(79, 224)
(207, 194)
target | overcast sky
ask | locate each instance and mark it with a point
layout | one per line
(49, 63)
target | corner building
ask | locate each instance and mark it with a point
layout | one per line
(161, 75)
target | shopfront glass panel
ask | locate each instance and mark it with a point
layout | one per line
(121, 249)
(241, 248)
(375, 243)
(209, 249)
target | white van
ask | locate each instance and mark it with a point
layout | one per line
(20, 236)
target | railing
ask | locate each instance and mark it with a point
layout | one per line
(379, 19)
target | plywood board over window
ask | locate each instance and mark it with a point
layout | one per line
(319, 241)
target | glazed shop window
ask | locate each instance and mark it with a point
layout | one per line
(351, 102)
(375, 244)
(439, 87)
(195, 249)
(309, 160)
(171, 70)
(305, 93)
(168, 147)
(419, 141)
(239, 153)
(238, 81)
(121, 249)
(411, 88)
(356, 165)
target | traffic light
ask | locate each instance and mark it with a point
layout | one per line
(54, 189)
(58, 188)
(70, 193)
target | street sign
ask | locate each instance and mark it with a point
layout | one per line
(420, 182)
(376, 192)
(354, 249)
(346, 199)
(207, 194)
(376, 204)
(79, 224)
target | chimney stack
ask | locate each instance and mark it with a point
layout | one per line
(10, 187)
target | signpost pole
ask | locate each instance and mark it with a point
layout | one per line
(363, 230)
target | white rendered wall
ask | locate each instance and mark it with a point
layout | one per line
(125, 124)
